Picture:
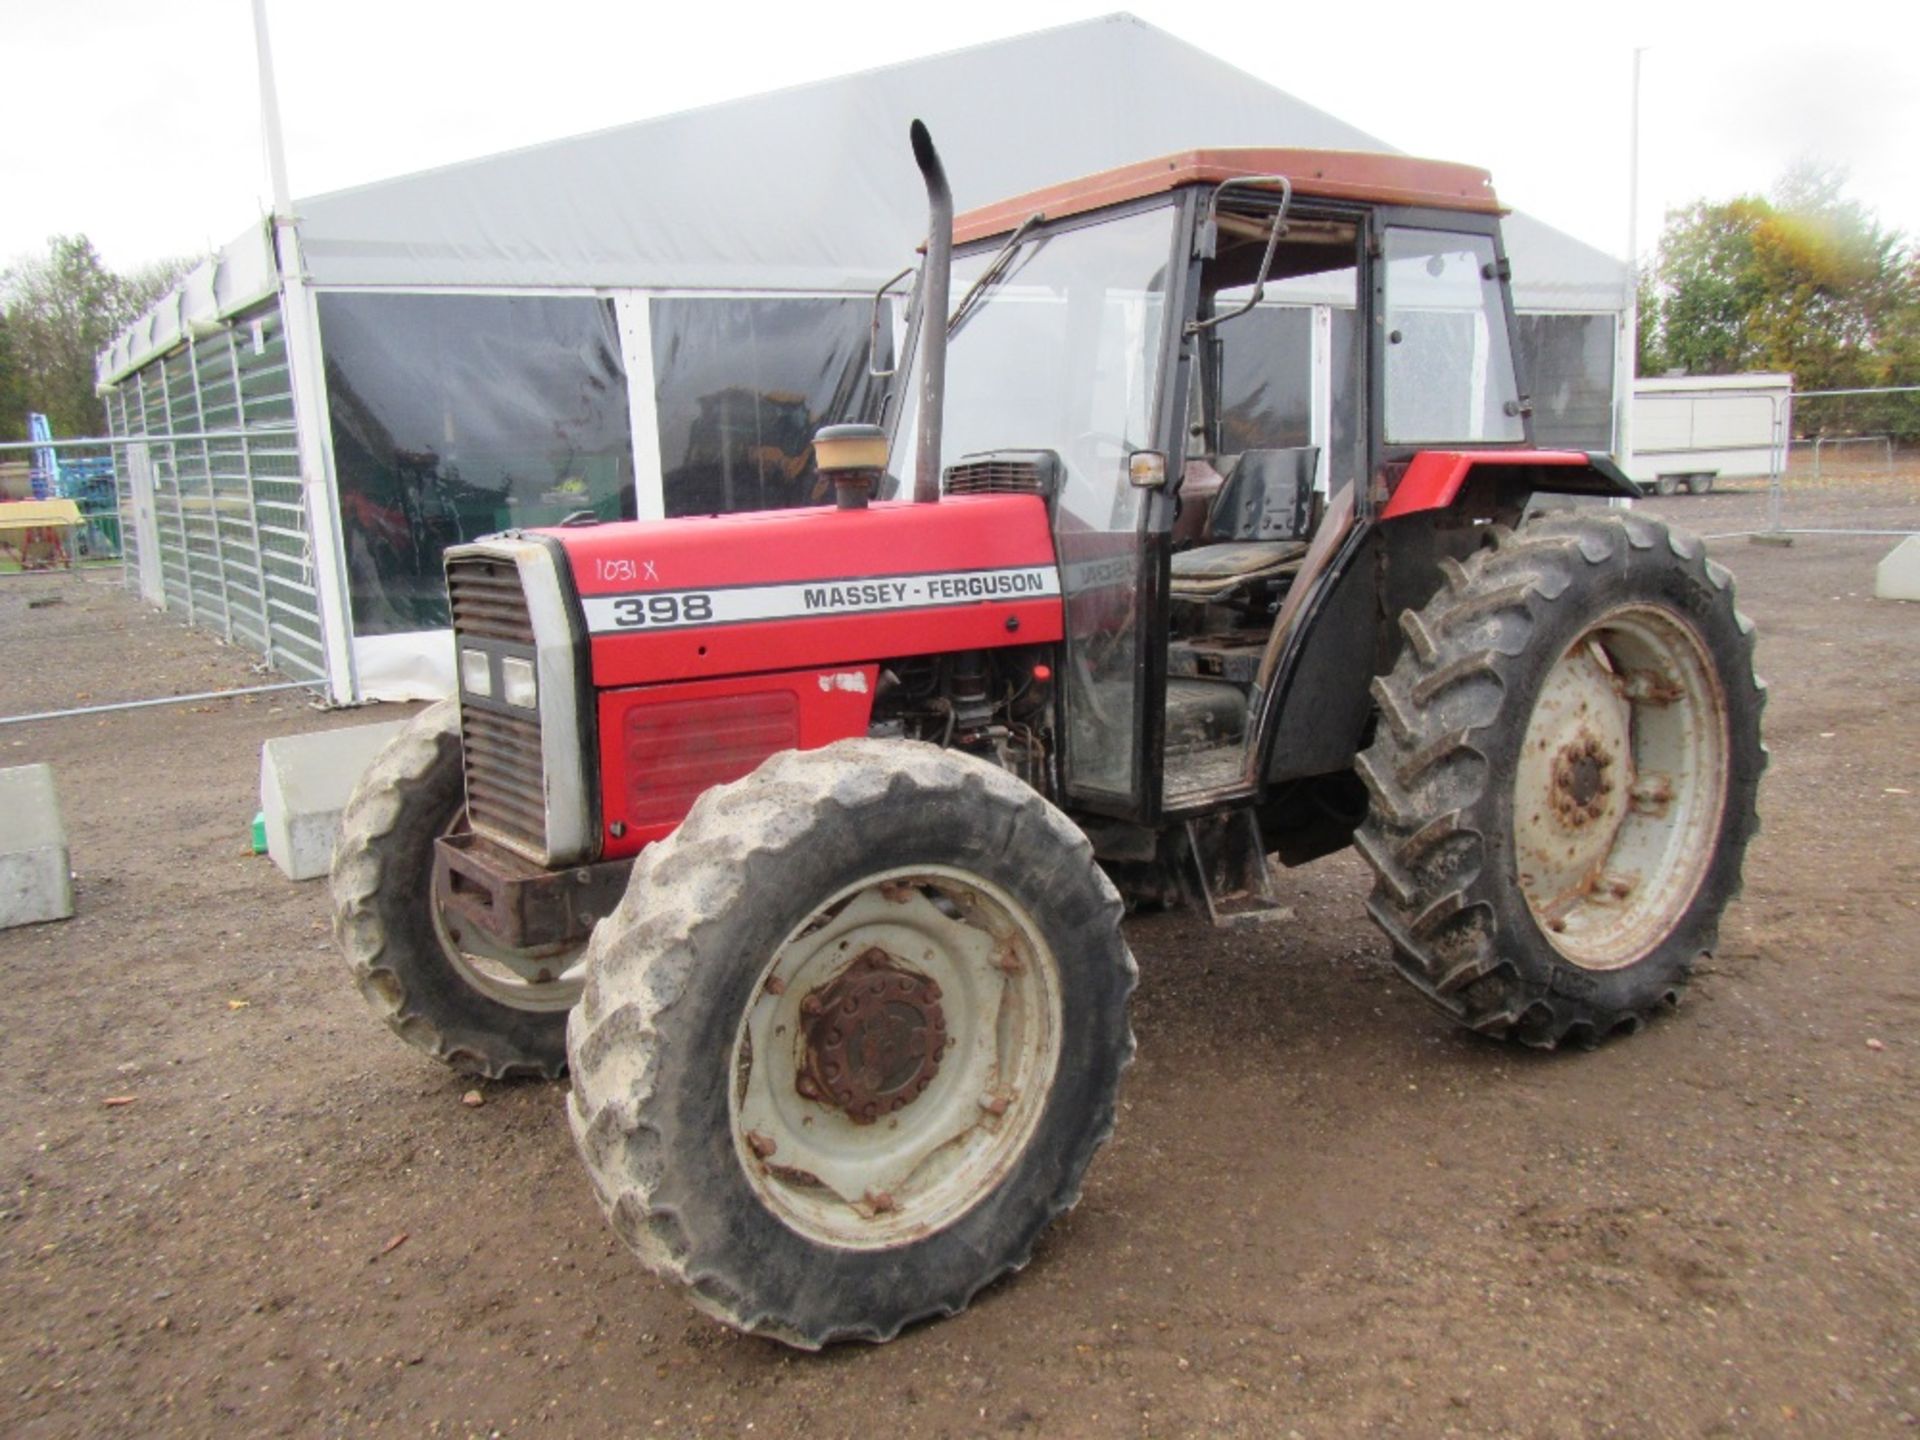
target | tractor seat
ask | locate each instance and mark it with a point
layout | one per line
(1258, 526)
(1212, 571)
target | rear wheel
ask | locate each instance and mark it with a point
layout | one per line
(851, 1040)
(1701, 483)
(1666, 484)
(438, 983)
(1562, 787)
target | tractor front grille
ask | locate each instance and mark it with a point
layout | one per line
(1005, 472)
(503, 754)
(487, 601)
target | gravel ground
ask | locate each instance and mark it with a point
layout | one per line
(1325, 1213)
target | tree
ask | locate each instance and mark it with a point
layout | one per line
(1806, 282)
(1649, 358)
(57, 312)
(13, 391)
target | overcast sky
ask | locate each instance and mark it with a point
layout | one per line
(136, 121)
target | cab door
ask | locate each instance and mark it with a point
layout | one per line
(1111, 532)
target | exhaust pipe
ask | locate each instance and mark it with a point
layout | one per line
(933, 314)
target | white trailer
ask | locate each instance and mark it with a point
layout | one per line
(1689, 431)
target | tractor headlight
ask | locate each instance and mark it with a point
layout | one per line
(516, 682)
(475, 676)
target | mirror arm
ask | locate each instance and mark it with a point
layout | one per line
(873, 327)
(1210, 234)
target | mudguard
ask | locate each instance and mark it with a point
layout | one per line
(1433, 478)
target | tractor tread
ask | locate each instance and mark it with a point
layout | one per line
(646, 958)
(377, 879)
(1430, 836)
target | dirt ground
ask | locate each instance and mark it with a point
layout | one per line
(1325, 1213)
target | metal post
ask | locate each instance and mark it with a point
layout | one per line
(253, 511)
(213, 498)
(1629, 363)
(1775, 533)
(96, 442)
(270, 114)
(179, 503)
(307, 385)
(115, 398)
(119, 705)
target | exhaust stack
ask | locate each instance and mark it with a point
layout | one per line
(933, 314)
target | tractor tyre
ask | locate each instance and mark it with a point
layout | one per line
(851, 1040)
(482, 1010)
(1562, 778)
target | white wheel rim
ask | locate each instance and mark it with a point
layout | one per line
(1621, 786)
(916, 1169)
(540, 981)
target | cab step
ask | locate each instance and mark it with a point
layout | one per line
(1230, 869)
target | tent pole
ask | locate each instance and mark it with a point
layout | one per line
(306, 381)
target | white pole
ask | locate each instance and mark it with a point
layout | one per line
(1633, 173)
(305, 376)
(270, 114)
(1629, 368)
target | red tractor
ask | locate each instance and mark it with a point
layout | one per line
(800, 838)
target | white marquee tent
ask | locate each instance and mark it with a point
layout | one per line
(642, 320)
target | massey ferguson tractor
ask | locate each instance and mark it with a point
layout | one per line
(800, 838)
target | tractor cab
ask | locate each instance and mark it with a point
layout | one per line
(1218, 366)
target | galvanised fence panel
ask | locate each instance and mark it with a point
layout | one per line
(229, 510)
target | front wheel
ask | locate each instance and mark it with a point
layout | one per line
(439, 983)
(1562, 784)
(851, 1040)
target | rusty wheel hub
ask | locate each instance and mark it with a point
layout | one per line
(1618, 785)
(874, 1036)
(1581, 782)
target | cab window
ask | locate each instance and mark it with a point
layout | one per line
(1449, 368)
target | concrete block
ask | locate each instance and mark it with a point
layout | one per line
(36, 878)
(1898, 576)
(304, 784)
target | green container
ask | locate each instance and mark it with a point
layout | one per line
(259, 832)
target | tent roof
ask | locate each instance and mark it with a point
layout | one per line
(814, 188)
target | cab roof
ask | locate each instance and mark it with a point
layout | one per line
(1329, 174)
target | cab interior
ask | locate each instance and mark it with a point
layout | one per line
(1258, 472)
